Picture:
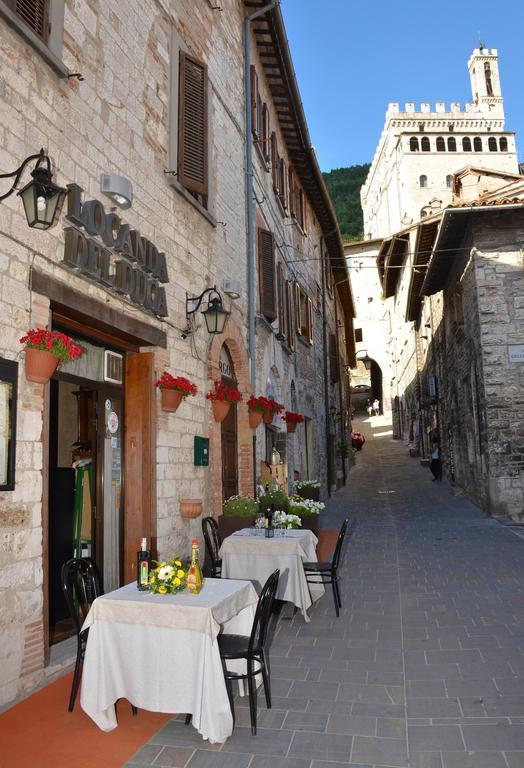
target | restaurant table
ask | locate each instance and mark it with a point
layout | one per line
(161, 653)
(248, 554)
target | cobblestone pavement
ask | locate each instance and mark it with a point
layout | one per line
(425, 666)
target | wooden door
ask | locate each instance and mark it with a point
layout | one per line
(140, 459)
(230, 454)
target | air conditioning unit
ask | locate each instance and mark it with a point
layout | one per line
(113, 367)
(232, 288)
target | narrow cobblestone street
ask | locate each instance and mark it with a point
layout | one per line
(425, 666)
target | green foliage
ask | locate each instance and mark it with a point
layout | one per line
(240, 506)
(344, 187)
(275, 497)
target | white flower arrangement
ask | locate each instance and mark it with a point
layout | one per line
(284, 520)
(313, 507)
(303, 484)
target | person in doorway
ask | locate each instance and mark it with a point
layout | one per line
(435, 464)
(369, 407)
(376, 407)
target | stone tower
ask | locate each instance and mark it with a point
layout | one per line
(483, 66)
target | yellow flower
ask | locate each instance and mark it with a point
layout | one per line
(152, 578)
(176, 581)
(180, 574)
(162, 590)
(178, 563)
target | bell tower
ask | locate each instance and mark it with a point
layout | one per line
(483, 68)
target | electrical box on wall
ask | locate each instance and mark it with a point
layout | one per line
(201, 451)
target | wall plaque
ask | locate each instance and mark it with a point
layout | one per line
(516, 353)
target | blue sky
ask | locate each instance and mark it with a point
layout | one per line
(353, 57)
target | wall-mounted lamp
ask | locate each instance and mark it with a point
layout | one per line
(117, 188)
(215, 315)
(366, 360)
(42, 199)
(232, 288)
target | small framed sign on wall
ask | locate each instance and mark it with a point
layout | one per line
(8, 390)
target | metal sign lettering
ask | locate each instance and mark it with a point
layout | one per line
(114, 255)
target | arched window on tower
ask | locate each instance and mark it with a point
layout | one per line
(503, 144)
(423, 181)
(424, 144)
(492, 144)
(413, 144)
(489, 82)
(423, 212)
(477, 144)
(452, 144)
(466, 144)
(449, 179)
(441, 144)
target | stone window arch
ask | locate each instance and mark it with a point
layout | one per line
(492, 144)
(413, 144)
(449, 179)
(452, 144)
(477, 144)
(423, 181)
(466, 144)
(503, 144)
(424, 144)
(441, 144)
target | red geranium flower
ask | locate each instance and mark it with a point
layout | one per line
(57, 343)
(224, 393)
(257, 404)
(178, 383)
(291, 417)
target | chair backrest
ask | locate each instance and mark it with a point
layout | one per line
(263, 612)
(212, 538)
(80, 585)
(335, 562)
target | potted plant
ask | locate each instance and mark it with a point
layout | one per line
(238, 512)
(273, 498)
(271, 408)
(308, 489)
(221, 398)
(256, 408)
(45, 350)
(173, 390)
(292, 419)
(308, 511)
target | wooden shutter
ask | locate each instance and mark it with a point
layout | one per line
(254, 102)
(298, 309)
(275, 163)
(292, 202)
(333, 359)
(265, 132)
(192, 124)
(309, 310)
(290, 315)
(284, 197)
(140, 459)
(266, 275)
(282, 315)
(34, 13)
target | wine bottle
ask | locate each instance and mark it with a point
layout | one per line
(194, 578)
(143, 566)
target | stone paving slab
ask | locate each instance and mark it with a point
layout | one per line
(425, 666)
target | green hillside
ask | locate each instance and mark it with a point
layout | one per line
(344, 187)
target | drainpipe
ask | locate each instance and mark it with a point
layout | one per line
(325, 363)
(250, 214)
(342, 423)
(250, 208)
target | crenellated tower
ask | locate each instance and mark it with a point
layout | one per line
(483, 66)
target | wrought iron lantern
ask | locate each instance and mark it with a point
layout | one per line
(41, 198)
(215, 315)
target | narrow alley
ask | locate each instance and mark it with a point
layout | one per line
(425, 666)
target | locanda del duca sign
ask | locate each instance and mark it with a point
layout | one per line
(105, 249)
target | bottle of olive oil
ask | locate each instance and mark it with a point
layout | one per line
(143, 566)
(194, 579)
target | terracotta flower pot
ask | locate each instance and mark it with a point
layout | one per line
(171, 399)
(190, 508)
(39, 365)
(291, 426)
(220, 409)
(255, 417)
(268, 417)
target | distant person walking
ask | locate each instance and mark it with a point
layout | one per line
(369, 407)
(435, 464)
(376, 407)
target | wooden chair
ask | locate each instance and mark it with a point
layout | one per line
(327, 572)
(253, 649)
(213, 544)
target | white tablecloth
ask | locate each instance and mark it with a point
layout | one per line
(248, 556)
(161, 653)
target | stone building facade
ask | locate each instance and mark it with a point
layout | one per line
(420, 149)
(109, 89)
